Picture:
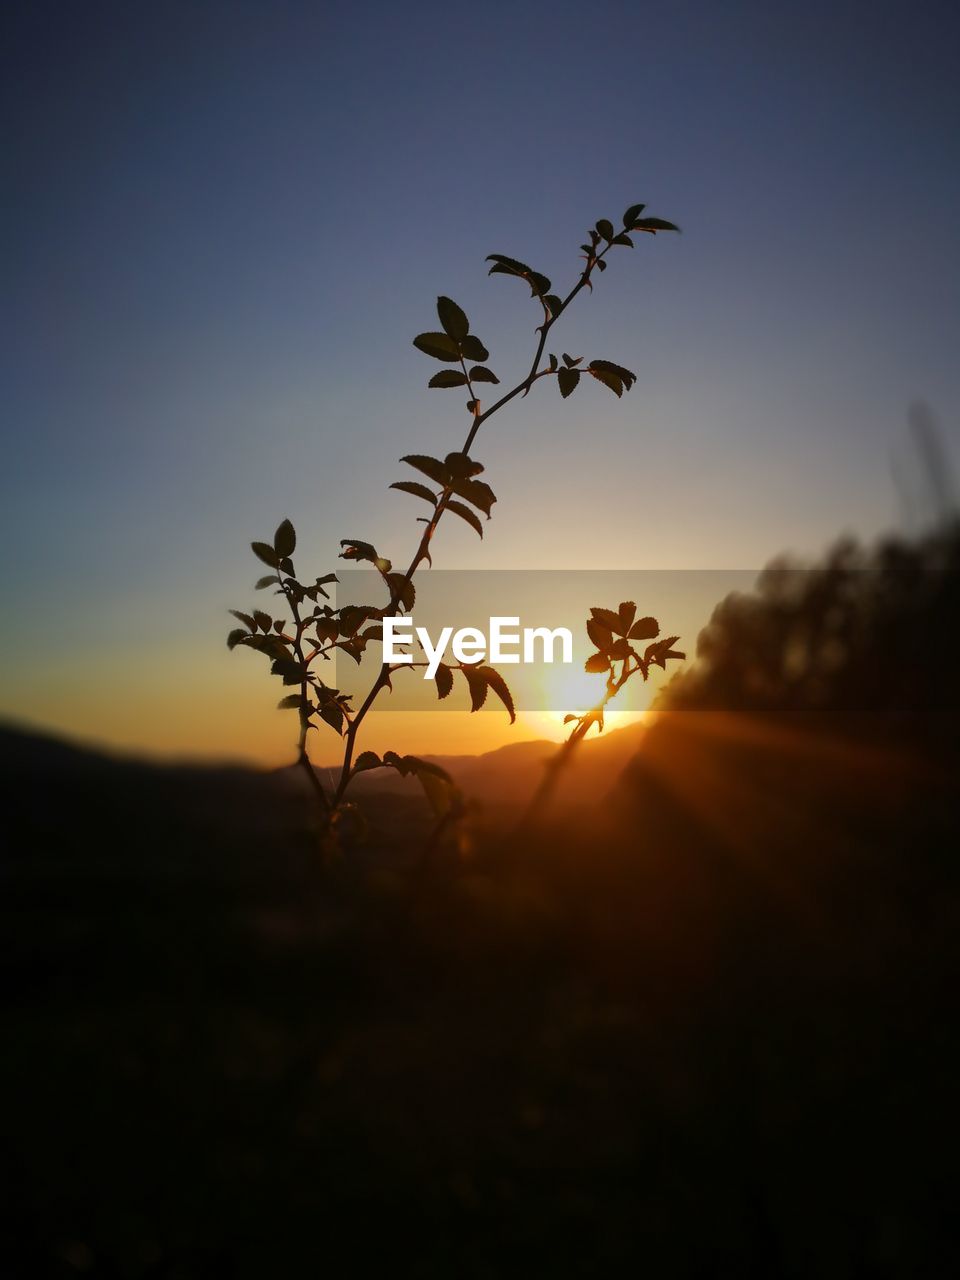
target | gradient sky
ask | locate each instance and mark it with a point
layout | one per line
(224, 223)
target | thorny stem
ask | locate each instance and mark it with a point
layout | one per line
(559, 762)
(423, 550)
(302, 758)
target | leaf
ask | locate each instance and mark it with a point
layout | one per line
(461, 466)
(597, 662)
(327, 630)
(477, 493)
(263, 551)
(607, 366)
(291, 671)
(627, 612)
(605, 229)
(431, 467)
(555, 304)
(448, 378)
(237, 636)
(539, 284)
(367, 760)
(440, 792)
(416, 489)
(607, 618)
(438, 345)
(480, 373)
(478, 686)
(354, 549)
(601, 636)
(499, 686)
(609, 380)
(509, 266)
(444, 680)
(285, 539)
(568, 379)
(623, 239)
(453, 320)
(353, 616)
(402, 590)
(333, 716)
(264, 621)
(268, 581)
(244, 617)
(465, 513)
(567, 719)
(644, 629)
(290, 702)
(473, 349)
(653, 225)
(571, 361)
(632, 214)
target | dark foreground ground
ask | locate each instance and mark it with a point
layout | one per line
(708, 1031)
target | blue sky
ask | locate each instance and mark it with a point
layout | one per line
(225, 223)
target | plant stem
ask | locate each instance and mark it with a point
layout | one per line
(423, 548)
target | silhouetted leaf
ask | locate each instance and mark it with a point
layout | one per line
(402, 590)
(453, 320)
(567, 719)
(605, 229)
(354, 549)
(601, 265)
(571, 361)
(632, 214)
(353, 616)
(444, 680)
(480, 373)
(465, 514)
(499, 686)
(414, 487)
(438, 345)
(597, 662)
(601, 636)
(288, 668)
(607, 366)
(652, 225)
(367, 760)
(609, 380)
(476, 492)
(644, 629)
(448, 378)
(269, 580)
(568, 379)
(431, 467)
(237, 636)
(477, 684)
(290, 702)
(554, 303)
(333, 715)
(285, 539)
(263, 551)
(473, 349)
(607, 618)
(623, 239)
(627, 612)
(244, 617)
(461, 466)
(539, 284)
(327, 630)
(264, 621)
(508, 266)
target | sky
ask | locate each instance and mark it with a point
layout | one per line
(225, 222)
